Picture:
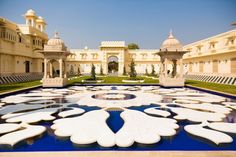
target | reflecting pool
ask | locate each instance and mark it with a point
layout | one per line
(117, 118)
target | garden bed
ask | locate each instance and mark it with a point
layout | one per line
(92, 81)
(133, 81)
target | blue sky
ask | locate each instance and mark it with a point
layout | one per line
(83, 23)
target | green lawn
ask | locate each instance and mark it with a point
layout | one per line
(17, 86)
(118, 80)
(213, 86)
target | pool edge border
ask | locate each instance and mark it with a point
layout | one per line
(121, 154)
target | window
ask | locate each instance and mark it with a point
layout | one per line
(94, 55)
(83, 56)
(199, 48)
(212, 45)
(232, 41)
(144, 56)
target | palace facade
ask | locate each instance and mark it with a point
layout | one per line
(19, 60)
(212, 59)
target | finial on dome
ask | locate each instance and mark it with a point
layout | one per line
(56, 36)
(170, 34)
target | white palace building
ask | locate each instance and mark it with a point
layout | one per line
(212, 59)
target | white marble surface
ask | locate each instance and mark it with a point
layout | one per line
(17, 136)
(86, 127)
(212, 135)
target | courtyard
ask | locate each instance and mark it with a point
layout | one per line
(118, 78)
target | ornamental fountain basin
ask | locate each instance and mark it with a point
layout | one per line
(146, 118)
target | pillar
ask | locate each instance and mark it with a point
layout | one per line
(65, 70)
(60, 65)
(233, 65)
(174, 68)
(181, 68)
(50, 69)
(45, 68)
(166, 66)
(215, 66)
(190, 67)
(161, 68)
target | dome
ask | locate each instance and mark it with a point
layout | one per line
(171, 44)
(56, 40)
(40, 20)
(30, 13)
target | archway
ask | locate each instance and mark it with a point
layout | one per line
(54, 69)
(113, 65)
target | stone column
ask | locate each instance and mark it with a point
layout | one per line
(50, 70)
(105, 68)
(60, 65)
(120, 63)
(181, 68)
(65, 70)
(174, 68)
(161, 68)
(166, 66)
(45, 67)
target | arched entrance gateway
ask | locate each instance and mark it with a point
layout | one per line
(113, 57)
(113, 65)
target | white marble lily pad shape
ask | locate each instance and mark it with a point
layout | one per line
(88, 128)
(222, 126)
(19, 107)
(17, 136)
(8, 127)
(212, 135)
(32, 116)
(73, 111)
(156, 111)
(196, 116)
(142, 128)
(208, 107)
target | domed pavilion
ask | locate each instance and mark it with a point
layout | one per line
(55, 53)
(171, 53)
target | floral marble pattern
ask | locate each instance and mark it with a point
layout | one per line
(22, 114)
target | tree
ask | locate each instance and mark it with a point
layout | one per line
(233, 24)
(133, 72)
(133, 46)
(78, 72)
(124, 71)
(93, 72)
(153, 70)
(146, 72)
(101, 70)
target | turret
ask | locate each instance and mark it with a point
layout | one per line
(30, 18)
(40, 24)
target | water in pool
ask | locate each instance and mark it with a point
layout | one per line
(117, 118)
